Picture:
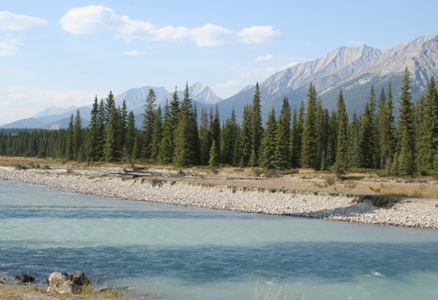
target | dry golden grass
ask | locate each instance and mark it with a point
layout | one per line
(15, 292)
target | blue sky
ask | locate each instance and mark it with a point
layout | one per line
(62, 53)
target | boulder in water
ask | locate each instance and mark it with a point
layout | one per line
(79, 278)
(25, 278)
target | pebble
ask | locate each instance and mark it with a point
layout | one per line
(420, 214)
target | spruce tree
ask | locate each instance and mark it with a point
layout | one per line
(157, 134)
(229, 138)
(204, 137)
(131, 132)
(215, 130)
(355, 153)
(341, 164)
(111, 150)
(256, 124)
(282, 137)
(94, 136)
(245, 145)
(167, 146)
(148, 124)
(428, 131)
(69, 149)
(77, 135)
(213, 161)
(268, 145)
(309, 142)
(406, 159)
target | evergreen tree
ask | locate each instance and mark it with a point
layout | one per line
(282, 138)
(123, 126)
(186, 137)
(77, 135)
(111, 150)
(355, 153)
(341, 164)
(109, 107)
(297, 136)
(428, 131)
(215, 130)
(368, 137)
(213, 161)
(148, 124)
(268, 145)
(245, 145)
(94, 138)
(157, 134)
(406, 160)
(131, 132)
(309, 138)
(166, 146)
(69, 149)
(256, 124)
(204, 137)
(229, 140)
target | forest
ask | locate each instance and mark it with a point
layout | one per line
(307, 137)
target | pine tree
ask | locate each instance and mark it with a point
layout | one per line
(94, 136)
(77, 135)
(256, 124)
(111, 150)
(213, 161)
(406, 160)
(428, 131)
(297, 136)
(282, 137)
(309, 138)
(157, 135)
(187, 136)
(215, 130)
(245, 145)
(122, 126)
(341, 164)
(70, 140)
(204, 137)
(131, 132)
(355, 153)
(229, 139)
(268, 145)
(148, 124)
(167, 146)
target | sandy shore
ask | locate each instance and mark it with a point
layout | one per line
(411, 212)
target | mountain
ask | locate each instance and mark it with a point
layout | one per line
(25, 123)
(352, 69)
(136, 97)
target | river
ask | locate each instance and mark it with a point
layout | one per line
(177, 252)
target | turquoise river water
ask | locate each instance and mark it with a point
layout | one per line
(191, 253)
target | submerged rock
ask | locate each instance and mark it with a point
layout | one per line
(24, 278)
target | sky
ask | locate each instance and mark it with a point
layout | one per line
(63, 53)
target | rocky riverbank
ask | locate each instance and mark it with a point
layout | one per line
(411, 212)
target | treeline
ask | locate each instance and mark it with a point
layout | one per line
(308, 137)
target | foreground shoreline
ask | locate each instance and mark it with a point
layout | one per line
(418, 213)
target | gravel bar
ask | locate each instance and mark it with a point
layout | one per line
(419, 213)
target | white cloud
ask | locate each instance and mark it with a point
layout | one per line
(133, 53)
(266, 57)
(9, 46)
(10, 22)
(91, 19)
